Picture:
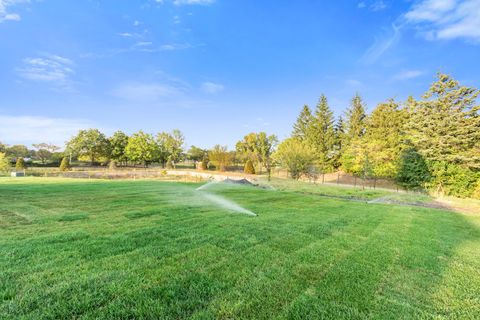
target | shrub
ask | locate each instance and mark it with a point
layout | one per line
(476, 192)
(413, 172)
(4, 164)
(453, 180)
(65, 165)
(249, 169)
(20, 165)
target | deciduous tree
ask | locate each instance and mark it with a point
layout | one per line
(295, 155)
(118, 142)
(90, 143)
(220, 157)
(141, 148)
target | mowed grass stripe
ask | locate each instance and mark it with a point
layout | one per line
(147, 249)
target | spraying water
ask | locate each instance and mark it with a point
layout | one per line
(205, 186)
(222, 202)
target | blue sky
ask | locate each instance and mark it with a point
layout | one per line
(218, 69)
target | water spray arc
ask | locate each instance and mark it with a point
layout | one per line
(222, 202)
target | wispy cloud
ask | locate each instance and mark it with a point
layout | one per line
(382, 44)
(377, 5)
(49, 68)
(187, 2)
(6, 14)
(147, 92)
(447, 19)
(408, 74)
(212, 88)
(32, 129)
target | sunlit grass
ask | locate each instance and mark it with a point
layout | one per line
(148, 249)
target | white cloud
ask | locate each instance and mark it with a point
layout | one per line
(50, 68)
(382, 44)
(5, 13)
(408, 74)
(187, 2)
(146, 92)
(212, 88)
(447, 19)
(31, 129)
(378, 5)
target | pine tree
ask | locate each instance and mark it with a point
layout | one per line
(445, 125)
(321, 135)
(339, 134)
(354, 149)
(249, 169)
(20, 165)
(355, 125)
(302, 125)
(65, 164)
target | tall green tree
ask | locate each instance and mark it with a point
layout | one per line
(445, 124)
(170, 146)
(118, 142)
(303, 123)
(339, 134)
(258, 148)
(89, 143)
(355, 122)
(354, 149)
(384, 138)
(141, 148)
(321, 134)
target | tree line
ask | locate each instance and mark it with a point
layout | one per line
(428, 143)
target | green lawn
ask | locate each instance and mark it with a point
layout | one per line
(148, 249)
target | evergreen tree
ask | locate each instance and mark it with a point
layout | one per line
(445, 125)
(20, 165)
(339, 134)
(354, 149)
(355, 125)
(302, 125)
(65, 164)
(321, 135)
(413, 172)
